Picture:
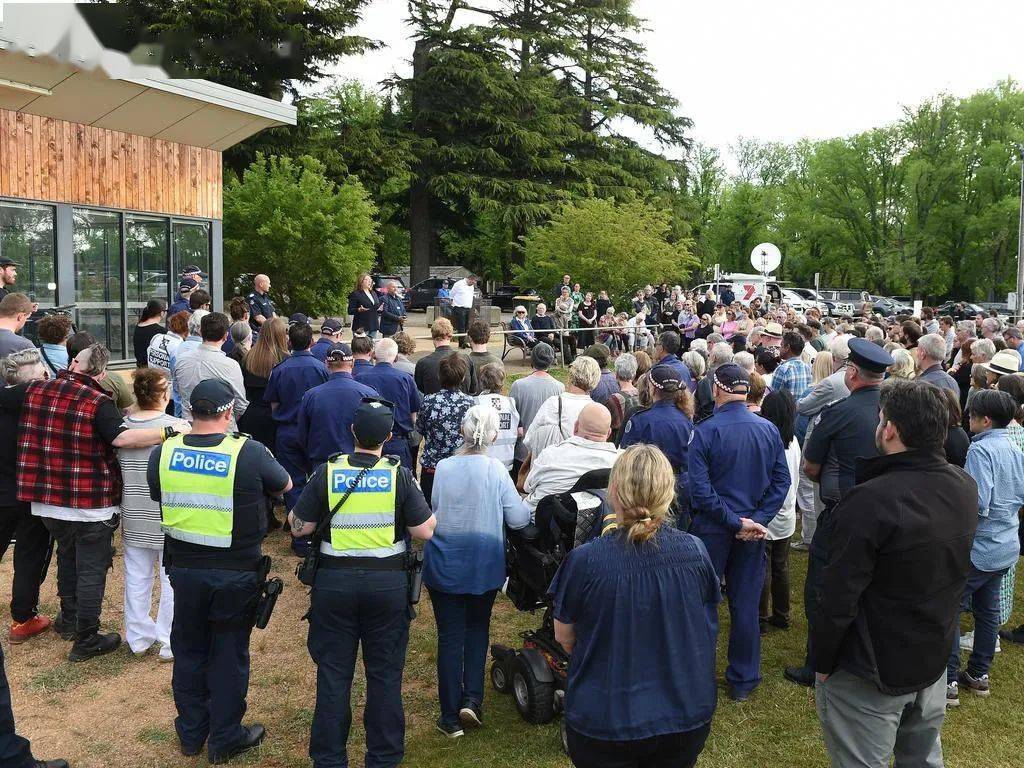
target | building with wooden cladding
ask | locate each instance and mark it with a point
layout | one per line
(110, 172)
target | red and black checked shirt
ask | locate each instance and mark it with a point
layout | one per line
(62, 459)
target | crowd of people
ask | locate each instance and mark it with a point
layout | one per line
(895, 445)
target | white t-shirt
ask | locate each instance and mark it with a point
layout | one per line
(462, 294)
(161, 348)
(504, 448)
(783, 524)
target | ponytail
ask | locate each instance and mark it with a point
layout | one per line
(641, 487)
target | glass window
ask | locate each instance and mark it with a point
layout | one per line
(192, 247)
(147, 262)
(97, 247)
(26, 236)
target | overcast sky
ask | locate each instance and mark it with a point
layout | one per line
(786, 69)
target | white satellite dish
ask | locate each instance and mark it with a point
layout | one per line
(765, 258)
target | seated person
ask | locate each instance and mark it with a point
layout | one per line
(522, 329)
(545, 329)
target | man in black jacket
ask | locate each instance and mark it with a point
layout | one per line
(899, 555)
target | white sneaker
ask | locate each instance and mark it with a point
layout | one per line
(165, 653)
(967, 642)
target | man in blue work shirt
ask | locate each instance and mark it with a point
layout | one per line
(392, 314)
(290, 379)
(843, 433)
(667, 427)
(261, 308)
(666, 352)
(608, 385)
(738, 479)
(399, 388)
(326, 412)
(362, 352)
(330, 334)
(185, 288)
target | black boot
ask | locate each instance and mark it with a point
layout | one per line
(91, 643)
(64, 624)
(254, 735)
(50, 764)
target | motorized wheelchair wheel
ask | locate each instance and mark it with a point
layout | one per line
(535, 700)
(500, 677)
(564, 738)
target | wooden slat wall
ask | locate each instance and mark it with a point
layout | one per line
(63, 162)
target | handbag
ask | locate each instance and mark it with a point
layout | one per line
(306, 570)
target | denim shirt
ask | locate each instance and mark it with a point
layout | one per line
(998, 468)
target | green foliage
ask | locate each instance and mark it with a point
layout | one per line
(616, 246)
(310, 235)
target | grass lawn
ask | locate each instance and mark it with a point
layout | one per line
(117, 711)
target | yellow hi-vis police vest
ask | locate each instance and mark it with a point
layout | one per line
(197, 488)
(364, 526)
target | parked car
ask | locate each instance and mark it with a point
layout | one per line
(847, 302)
(890, 307)
(803, 299)
(504, 296)
(951, 308)
(379, 281)
(422, 295)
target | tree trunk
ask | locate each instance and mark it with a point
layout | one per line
(420, 224)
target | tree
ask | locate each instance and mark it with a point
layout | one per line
(312, 236)
(604, 244)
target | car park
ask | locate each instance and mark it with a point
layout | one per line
(847, 302)
(890, 307)
(953, 309)
(379, 281)
(504, 296)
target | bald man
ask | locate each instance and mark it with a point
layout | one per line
(559, 466)
(261, 308)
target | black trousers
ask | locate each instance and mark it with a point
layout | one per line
(31, 557)
(775, 593)
(84, 554)
(15, 750)
(461, 317)
(816, 561)
(674, 750)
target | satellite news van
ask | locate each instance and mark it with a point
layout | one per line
(745, 287)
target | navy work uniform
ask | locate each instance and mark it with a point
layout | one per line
(360, 596)
(737, 469)
(681, 371)
(290, 379)
(326, 412)
(181, 304)
(212, 490)
(399, 388)
(392, 314)
(328, 338)
(843, 433)
(666, 427)
(260, 305)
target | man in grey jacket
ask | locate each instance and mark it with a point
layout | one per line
(209, 362)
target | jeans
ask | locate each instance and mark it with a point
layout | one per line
(672, 750)
(463, 624)
(213, 620)
(349, 608)
(31, 557)
(776, 582)
(981, 597)
(461, 317)
(85, 552)
(15, 751)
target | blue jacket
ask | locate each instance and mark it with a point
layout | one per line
(392, 311)
(289, 382)
(325, 418)
(667, 427)
(320, 348)
(679, 367)
(396, 386)
(737, 468)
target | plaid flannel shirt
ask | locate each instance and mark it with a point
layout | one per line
(61, 459)
(793, 374)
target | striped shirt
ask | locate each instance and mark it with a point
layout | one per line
(140, 515)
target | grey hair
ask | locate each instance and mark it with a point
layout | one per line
(720, 354)
(840, 348)
(744, 360)
(14, 368)
(241, 333)
(991, 324)
(933, 345)
(715, 338)
(92, 361)
(584, 373)
(625, 366)
(700, 346)
(194, 327)
(968, 326)
(874, 333)
(694, 360)
(479, 429)
(386, 350)
(984, 347)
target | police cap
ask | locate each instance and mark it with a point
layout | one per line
(373, 421)
(211, 397)
(868, 355)
(665, 378)
(7, 261)
(339, 353)
(187, 285)
(330, 326)
(732, 378)
(193, 269)
(298, 317)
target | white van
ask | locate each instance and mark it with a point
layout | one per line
(744, 287)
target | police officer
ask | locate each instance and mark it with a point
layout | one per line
(399, 388)
(261, 308)
(362, 351)
(326, 412)
(193, 272)
(738, 479)
(212, 489)
(361, 592)
(843, 433)
(666, 426)
(290, 379)
(330, 334)
(181, 304)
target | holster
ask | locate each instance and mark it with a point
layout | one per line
(270, 590)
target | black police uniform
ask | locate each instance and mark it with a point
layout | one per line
(216, 592)
(843, 433)
(259, 305)
(360, 601)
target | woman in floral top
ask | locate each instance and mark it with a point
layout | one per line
(440, 418)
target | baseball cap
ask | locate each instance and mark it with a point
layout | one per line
(339, 353)
(330, 325)
(211, 397)
(732, 378)
(298, 317)
(192, 269)
(187, 284)
(666, 378)
(542, 356)
(373, 421)
(6, 261)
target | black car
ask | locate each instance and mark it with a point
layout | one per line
(969, 310)
(890, 308)
(504, 296)
(422, 295)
